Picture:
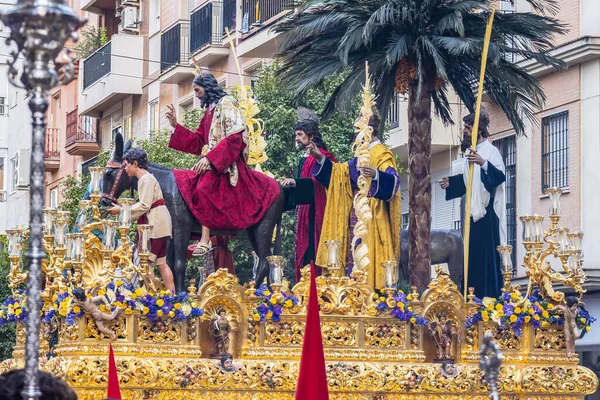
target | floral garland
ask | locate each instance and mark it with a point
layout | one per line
(13, 309)
(155, 307)
(512, 311)
(270, 305)
(397, 306)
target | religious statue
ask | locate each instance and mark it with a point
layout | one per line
(571, 331)
(226, 364)
(219, 332)
(89, 306)
(449, 369)
(488, 206)
(304, 193)
(442, 330)
(383, 240)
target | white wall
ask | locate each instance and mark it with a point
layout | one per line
(15, 135)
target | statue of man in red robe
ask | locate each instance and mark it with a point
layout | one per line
(222, 192)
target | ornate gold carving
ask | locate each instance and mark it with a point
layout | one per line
(339, 334)
(221, 283)
(559, 380)
(551, 338)
(284, 334)
(337, 296)
(118, 325)
(508, 339)
(161, 332)
(387, 335)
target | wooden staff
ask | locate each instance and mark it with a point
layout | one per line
(467, 228)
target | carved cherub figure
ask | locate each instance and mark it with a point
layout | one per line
(442, 330)
(89, 306)
(570, 329)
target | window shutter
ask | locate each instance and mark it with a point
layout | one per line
(442, 211)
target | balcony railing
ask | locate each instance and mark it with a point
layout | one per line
(52, 153)
(96, 66)
(174, 46)
(229, 15)
(81, 129)
(203, 31)
(267, 9)
(510, 40)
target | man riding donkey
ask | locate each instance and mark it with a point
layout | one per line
(222, 192)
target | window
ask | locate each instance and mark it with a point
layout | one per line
(508, 150)
(115, 131)
(127, 132)
(153, 116)
(14, 167)
(405, 219)
(54, 198)
(2, 187)
(3, 106)
(555, 151)
(154, 16)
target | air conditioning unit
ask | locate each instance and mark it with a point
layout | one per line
(129, 19)
(22, 170)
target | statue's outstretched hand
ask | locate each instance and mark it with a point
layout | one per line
(171, 115)
(314, 151)
(288, 182)
(444, 183)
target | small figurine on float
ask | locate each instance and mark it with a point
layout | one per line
(449, 369)
(219, 332)
(226, 364)
(442, 330)
(89, 306)
(268, 378)
(571, 331)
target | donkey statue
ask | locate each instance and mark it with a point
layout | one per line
(446, 247)
(116, 182)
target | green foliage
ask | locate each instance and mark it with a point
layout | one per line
(191, 119)
(157, 148)
(92, 39)
(7, 332)
(74, 188)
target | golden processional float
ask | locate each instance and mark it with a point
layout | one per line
(385, 343)
(237, 341)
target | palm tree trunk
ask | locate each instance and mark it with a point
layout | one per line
(419, 181)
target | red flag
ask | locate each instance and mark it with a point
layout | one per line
(114, 391)
(312, 379)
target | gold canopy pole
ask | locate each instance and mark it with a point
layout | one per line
(467, 227)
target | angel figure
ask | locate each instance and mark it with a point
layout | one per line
(570, 329)
(89, 306)
(442, 330)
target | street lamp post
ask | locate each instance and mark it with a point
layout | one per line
(39, 30)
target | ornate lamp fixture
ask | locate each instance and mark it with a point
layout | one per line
(39, 30)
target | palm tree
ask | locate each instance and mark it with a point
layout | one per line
(423, 48)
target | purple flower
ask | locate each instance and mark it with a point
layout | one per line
(509, 309)
(263, 309)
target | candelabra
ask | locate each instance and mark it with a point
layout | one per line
(39, 30)
(391, 277)
(16, 276)
(554, 242)
(334, 267)
(276, 275)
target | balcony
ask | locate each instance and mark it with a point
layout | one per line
(206, 34)
(97, 6)
(257, 39)
(111, 74)
(175, 54)
(82, 138)
(442, 137)
(52, 153)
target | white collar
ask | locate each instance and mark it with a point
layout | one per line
(373, 144)
(212, 106)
